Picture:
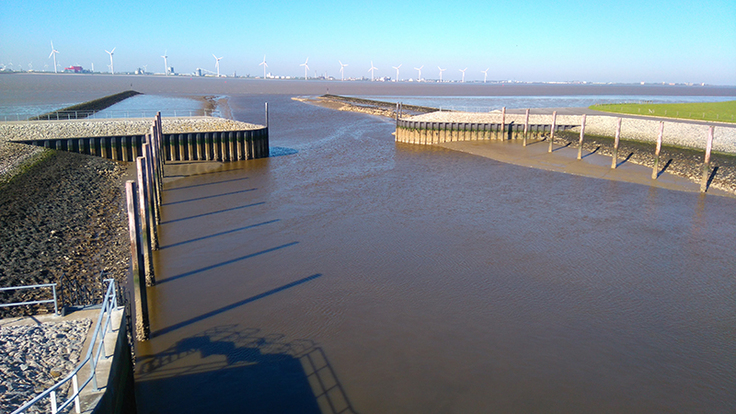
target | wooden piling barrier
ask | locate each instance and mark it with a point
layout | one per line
(552, 131)
(582, 137)
(143, 202)
(153, 203)
(655, 169)
(142, 324)
(706, 161)
(614, 158)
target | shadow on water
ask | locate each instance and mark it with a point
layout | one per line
(281, 151)
(213, 212)
(208, 197)
(234, 305)
(225, 263)
(219, 234)
(228, 369)
(205, 184)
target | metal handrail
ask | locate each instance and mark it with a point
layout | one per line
(35, 302)
(109, 304)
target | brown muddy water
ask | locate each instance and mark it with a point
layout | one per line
(350, 272)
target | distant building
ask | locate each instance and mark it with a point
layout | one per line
(74, 69)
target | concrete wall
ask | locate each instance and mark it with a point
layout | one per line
(119, 395)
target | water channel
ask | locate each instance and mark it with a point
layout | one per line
(351, 272)
(348, 272)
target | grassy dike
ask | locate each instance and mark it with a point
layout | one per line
(697, 111)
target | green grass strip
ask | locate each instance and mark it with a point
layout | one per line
(699, 111)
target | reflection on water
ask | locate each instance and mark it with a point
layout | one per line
(447, 282)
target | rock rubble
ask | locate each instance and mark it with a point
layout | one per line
(35, 357)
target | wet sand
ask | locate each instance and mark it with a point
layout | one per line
(564, 159)
(681, 168)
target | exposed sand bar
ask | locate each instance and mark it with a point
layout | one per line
(564, 159)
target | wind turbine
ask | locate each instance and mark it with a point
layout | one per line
(53, 53)
(373, 68)
(112, 68)
(217, 64)
(166, 63)
(265, 65)
(420, 73)
(306, 67)
(342, 70)
(485, 74)
(397, 71)
(441, 70)
(463, 71)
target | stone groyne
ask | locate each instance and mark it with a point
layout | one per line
(86, 109)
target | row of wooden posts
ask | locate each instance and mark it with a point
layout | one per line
(475, 127)
(658, 149)
(144, 215)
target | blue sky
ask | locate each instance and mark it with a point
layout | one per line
(623, 41)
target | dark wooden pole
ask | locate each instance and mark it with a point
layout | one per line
(142, 324)
(526, 127)
(582, 137)
(503, 123)
(552, 132)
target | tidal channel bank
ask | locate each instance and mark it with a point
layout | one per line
(681, 154)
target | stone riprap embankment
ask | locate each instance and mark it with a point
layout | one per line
(63, 221)
(14, 156)
(676, 133)
(35, 357)
(35, 130)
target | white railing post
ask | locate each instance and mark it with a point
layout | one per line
(75, 387)
(53, 402)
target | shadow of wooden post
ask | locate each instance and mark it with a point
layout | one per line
(706, 162)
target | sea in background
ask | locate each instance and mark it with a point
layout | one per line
(424, 279)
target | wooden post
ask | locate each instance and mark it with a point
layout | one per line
(154, 208)
(266, 114)
(582, 137)
(142, 324)
(552, 131)
(614, 159)
(503, 123)
(526, 126)
(655, 169)
(706, 162)
(144, 201)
